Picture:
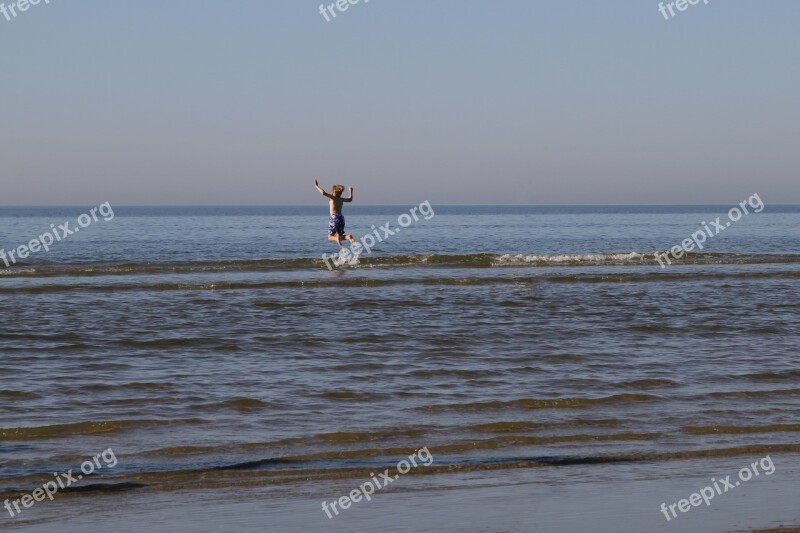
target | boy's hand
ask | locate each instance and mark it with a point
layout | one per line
(351, 190)
(316, 183)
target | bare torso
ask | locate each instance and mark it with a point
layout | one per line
(336, 205)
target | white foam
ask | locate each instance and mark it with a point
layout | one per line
(16, 271)
(565, 258)
(348, 257)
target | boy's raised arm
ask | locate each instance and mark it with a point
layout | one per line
(351, 196)
(321, 190)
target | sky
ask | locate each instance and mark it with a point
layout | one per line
(245, 102)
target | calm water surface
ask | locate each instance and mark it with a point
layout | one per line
(212, 347)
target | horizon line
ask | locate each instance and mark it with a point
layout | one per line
(377, 205)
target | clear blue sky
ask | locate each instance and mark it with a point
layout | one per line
(453, 101)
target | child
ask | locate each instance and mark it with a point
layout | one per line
(336, 225)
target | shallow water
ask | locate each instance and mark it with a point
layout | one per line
(211, 347)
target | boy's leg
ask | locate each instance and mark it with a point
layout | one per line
(340, 229)
(332, 230)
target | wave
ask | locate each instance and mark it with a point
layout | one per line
(483, 260)
(361, 282)
(455, 449)
(739, 430)
(516, 427)
(92, 489)
(18, 395)
(536, 403)
(647, 384)
(355, 465)
(786, 375)
(351, 396)
(192, 342)
(756, 394)
(84, 428)
(243, 405)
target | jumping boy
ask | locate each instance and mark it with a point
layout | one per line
(336, 225)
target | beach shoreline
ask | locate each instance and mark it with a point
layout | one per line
(550, 499)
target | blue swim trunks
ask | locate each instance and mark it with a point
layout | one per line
(336, 225)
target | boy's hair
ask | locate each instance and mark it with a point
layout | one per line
(337, 190)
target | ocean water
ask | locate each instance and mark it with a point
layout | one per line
(213, 349)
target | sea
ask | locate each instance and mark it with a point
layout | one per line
(219, 351)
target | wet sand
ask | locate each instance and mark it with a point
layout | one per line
(627, 499)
